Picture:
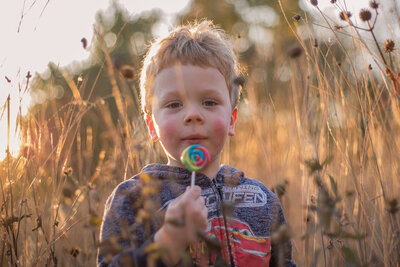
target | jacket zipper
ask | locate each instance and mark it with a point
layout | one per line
(219, 189)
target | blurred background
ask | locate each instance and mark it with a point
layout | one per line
(318, 120)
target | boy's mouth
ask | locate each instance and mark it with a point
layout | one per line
(194, 139)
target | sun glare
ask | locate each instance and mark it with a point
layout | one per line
(9, 127)
(41, 36)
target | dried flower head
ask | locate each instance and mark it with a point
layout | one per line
(345, 15)
(295, 51)
(349, 192)
(337, 27)
(95, 220)
(333, 1)
(84, 42)
(280, 189)
(127, 72)
(7, 79)
(74, 252)
(281, 235)
(389, 46)
(365, 14)
(297, 17)
(68, 192)
(392, 205)
(67, 171)
(314, 2)
(373, 4)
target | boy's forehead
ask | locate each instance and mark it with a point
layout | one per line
(179, 80)
(180, 76)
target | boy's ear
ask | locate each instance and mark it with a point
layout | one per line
(151, 128)
(232, 123)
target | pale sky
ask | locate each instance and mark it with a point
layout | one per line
(50, 30)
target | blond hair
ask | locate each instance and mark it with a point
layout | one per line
(201, 44)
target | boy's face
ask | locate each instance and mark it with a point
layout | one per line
(191, 105)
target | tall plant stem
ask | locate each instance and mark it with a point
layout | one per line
(371, 30)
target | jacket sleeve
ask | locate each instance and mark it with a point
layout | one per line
(281, 245)
(125, 240)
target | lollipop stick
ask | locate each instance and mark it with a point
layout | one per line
(193, 179)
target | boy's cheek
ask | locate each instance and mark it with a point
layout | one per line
(168, 128)
(220, 129)
(220, 126)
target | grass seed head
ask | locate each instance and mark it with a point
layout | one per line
(365, 14)
(389, 46)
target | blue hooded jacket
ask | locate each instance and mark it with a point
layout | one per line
(242, 216)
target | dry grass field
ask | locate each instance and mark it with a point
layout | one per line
(328, 145)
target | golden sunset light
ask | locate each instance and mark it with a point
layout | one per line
(200, 133)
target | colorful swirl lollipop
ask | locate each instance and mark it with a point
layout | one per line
(195, 158)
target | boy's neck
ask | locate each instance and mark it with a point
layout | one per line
(212, 169)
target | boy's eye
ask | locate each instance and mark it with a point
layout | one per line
(210, 103)
(174, 105)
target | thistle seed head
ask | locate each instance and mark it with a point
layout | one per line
(344, 15)
(297, 17)
(127, 72)
(84, 42)
(295, 51)
(373, 4)
(314, 2)
(389, 46)
(392, 205)
(365, 15)
(74, 252)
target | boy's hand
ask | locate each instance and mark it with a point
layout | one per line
(185, 218)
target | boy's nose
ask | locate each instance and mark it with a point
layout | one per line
(193, 115)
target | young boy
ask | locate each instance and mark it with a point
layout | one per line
(189, 90)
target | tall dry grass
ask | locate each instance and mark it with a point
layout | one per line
(330, 149)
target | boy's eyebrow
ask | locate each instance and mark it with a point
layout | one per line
(170, 94)
(211, 91)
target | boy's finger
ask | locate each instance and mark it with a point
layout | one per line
(205, 212)
(192, 193)
(201, 201)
